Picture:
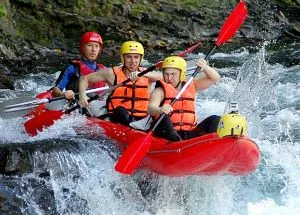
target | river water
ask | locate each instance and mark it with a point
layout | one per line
(72, 172)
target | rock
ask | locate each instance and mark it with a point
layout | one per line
(5, 81)
(6, 53)
(42, 28)
(4, 70)
(5, 194)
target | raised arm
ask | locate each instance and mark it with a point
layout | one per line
(210, 76)
(154, 76)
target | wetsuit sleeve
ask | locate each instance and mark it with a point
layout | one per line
(158, 84)
(67, 77)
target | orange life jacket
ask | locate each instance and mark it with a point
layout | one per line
(134, 96)
(85, 70)
(183, 116)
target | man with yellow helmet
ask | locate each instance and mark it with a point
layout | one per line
(129, 102)
(180, 121)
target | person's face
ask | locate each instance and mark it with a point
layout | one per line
(171, 76)
(91, 50)
(132, 61)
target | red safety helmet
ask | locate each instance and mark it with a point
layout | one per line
(89, 37)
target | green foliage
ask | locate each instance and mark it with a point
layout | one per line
(31, 3)
(80, 3)
(137, 9)
(3, 11)
(189, 2)
(192, 3)
(38, 32)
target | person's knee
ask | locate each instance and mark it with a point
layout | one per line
(97, 108)
(214, 119)
(208, 125)
(213, 122)
(120, 114)
(166, 130)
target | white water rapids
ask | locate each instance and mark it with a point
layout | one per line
(81, 176)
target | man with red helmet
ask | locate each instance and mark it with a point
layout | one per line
(90, 47)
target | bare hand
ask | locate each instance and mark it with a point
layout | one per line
(202, 63)
(134, 76)
(69, 94)
(166, 109)
(83, 100)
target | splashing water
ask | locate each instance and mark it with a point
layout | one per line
(73, 174)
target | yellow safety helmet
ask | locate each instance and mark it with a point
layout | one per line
(175, 62)
(232, 124)
(131, 47)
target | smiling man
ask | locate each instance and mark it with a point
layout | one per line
(129, 102)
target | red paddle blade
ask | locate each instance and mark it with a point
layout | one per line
(181, 54)
(133, 155)
(41, 121)
(232, 23)
(188, 50)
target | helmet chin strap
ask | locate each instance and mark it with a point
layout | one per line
(178, 84)
(125, 69)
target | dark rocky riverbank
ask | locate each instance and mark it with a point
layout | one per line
(34, 32)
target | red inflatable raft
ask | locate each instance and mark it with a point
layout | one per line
(205, 155)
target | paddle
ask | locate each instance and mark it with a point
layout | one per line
(21, 106)
(136, 151)
(47, 118)
(12, 112)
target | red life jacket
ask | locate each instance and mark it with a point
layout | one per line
(85, 70)
(134, 96)
(183, 116)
